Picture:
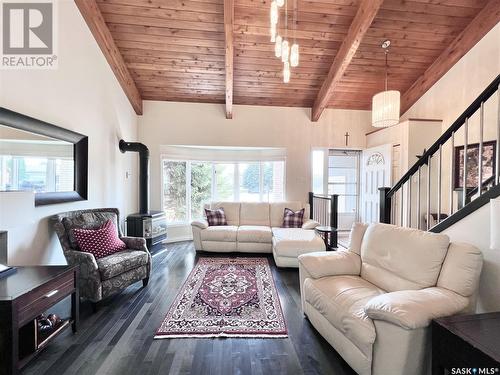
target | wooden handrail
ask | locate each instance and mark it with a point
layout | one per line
(322, 196)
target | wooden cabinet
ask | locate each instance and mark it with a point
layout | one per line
(24, 295)
(466, 344)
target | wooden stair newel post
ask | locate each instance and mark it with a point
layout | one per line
(334, 219)
(385, 205)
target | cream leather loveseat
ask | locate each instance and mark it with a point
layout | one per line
(374, 303)
(256, 228)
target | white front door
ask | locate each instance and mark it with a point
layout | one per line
(375, 173)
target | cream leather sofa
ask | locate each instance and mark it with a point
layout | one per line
(374, 302)
(256, 228)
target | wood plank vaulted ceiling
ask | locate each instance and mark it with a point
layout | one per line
(175, 49)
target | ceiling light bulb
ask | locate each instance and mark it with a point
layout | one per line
(285, 51)
(286, 72)
(273, 33)
(280, 2)
(294, 55)
(274, 13)
(277, 46)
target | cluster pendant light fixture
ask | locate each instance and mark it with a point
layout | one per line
(386, 104)
(289, 55)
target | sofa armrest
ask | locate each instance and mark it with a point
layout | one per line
(202, 224)
(332, 263)
(86, 261)
(310, 224)
(412, 309)
(135, 243)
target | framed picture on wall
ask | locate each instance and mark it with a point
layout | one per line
(489, 157)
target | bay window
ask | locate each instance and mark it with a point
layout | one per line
(188, 185)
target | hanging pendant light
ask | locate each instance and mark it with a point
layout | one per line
(285, 51)
(286, 72)
(277, 46)
(294, 55)
(294, 51)
(274, 13)
(386, 104)
(289, 55)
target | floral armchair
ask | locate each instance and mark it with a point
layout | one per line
(99, 278)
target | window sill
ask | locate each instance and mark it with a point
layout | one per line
(178, 225)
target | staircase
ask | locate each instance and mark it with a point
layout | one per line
(450, 181)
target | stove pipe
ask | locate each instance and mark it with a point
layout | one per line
(143, 171)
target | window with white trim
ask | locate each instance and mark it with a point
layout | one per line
(188, 185)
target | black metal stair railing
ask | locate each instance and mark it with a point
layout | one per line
(423, 206)
(324, 209)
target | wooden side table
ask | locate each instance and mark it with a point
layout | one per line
(329, 235)
(466, 342)
(24, 295)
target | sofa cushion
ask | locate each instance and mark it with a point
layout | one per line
(231, 209)
(254, 213)
(341, 300)
(118, 263)
(223, 233)
(395, 258)
(461, 269)
(356, 237)
(277, 209)
(254, 233)
(292, 242)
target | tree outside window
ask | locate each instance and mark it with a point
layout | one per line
(201, 188)
(189, 185)
(174, 191)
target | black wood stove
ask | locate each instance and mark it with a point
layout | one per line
(152, 225)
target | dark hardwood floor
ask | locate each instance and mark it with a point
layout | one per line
(118, 338)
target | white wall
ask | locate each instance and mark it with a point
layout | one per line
(165, 123)
(475, 229)
(446, 100)
(81, 95)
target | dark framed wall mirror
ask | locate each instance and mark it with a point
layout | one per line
(42, 157)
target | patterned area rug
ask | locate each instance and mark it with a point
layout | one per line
(226, 297)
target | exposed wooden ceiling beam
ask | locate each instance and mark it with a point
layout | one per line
(362, 20)
(228, 30)
(485, 20)
(93, 17)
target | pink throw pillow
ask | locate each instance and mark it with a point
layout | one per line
(100, 242)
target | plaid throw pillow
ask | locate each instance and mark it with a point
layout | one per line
(293, 219)
(216, 217)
